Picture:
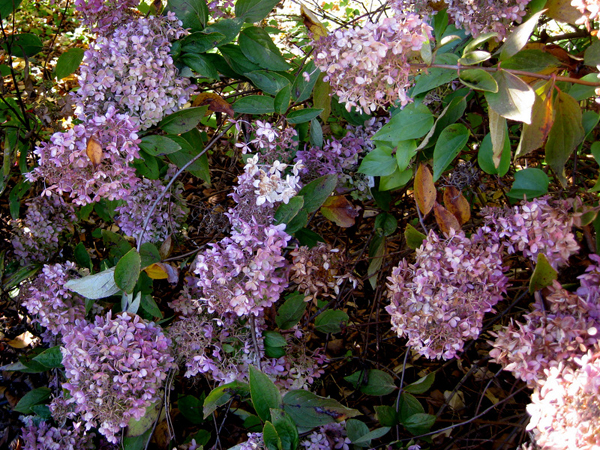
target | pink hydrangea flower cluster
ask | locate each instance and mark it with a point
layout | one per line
(102, 16)
(563, 327)
(246, 272)
(37, 236)
(540, 226)
(167, 218)
(369, 67)
(132, 70)
(589, 288)
(439, 301)
(254, 442)
(565, 408)
(66, 167)
(115, 368)
(589, 8)
(52, 305)
(45, 437)
(327, 437)
(482, 16)
(270, 142)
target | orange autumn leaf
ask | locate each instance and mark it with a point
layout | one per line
(457, 204)
(424, 189)
(445, 219)
(94, 151)
(215, 103)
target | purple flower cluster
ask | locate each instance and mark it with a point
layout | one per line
(539, 226)
(369, 67)
(327, 437)
(168, 216)
(66, 167)
(52, 305)
(102, 16)
(132, 71)
(220, 8)
(439, 301)
(44, 437)
(37, 236)
(115, 369)
(557, 330)
(271, 143)
(565, 408)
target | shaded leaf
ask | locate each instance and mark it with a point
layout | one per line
(514, 99)
(339, 210)
(146, 422)
(445, 219)
(533, 136)
(316, 192)
(156, 145)
(451, 141)
(378, 162)
(215, 103)
(386, 415)
(271, 437)
(254, 10)
(183, 120)
(485, 155)
(268, 82)
(414, 238)
(291, 311)
(422, 385)
(543, 275)
(457, 204)
(222, 394)
(529, 183)
(303, 115)
(308, 410)
(498, 135)
(258, 47)
(255, 104)
(331, 321)
(33, 397)
(51, 358)
(127, 271)
(413, 122)
(192, 13)
(190, 407)
(374, 382)
(263, 392)
(479, 80)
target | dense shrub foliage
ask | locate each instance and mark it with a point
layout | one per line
(258, 225)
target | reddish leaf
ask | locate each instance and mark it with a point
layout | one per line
(424, 189)
(445, 219)
(457, 204)
(94, 151)
(339, 210)
(215, 103)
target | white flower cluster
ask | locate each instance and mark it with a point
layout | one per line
(271, 187)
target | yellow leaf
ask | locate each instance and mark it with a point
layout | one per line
(22, 340)
(156, 272)
(311, 22)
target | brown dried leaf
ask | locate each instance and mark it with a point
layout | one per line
(498, 134)
(215, 103)
(166, 248)
(457, 204)
(424, 189)
(94, 151)
(339, 210)
(311, 22)
(22, 340)
(445, 219)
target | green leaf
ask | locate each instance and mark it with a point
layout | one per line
(236, 59)
(96, 286)
(302, 89)
(514, 99)
(565, 135)
(7, 7)
(51, 358)
(136, 442)
(308, 237)
(419, 423)
(82, 257)
(365, 440)
(271, 437)
(201, 65)
(33, 397)
(254, 104)
(221, 395)
(356, 429)
(303, 115)
(317, 191)
(592, 54)
(451, 141)
(308, 410)
(331, 321)
(395, 180)
(472, 58)
(478, 79)
(387, 223)
(316, 133)
(146, 166)
(530, 183)
(485, 156)
(258, 47)
(68, 62)
(286, 429)
(379, 162)
(200, 41)
(405, 151)
(374, 382)
(322, 97)
(531, 61)
(386, 415)
(414, 238)
(287, 211)
(376, 254)
(422, 385)
(192, 13)
(149, 305)
(22, 45)
(184, 120)
(254, 10)
(156, 145)
(436, 77)
(149, 254)
(580, 92)
(408, 406)
(476, 42)
(268, 82)
(543, 275)
(519, 37)
(229, 28)
(282, 99)
(264, 393)
(42, 411)
(139, 427)
(127, 271)
(190, 407)
(291, 311)
(412, 122)
(192, 143)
